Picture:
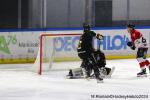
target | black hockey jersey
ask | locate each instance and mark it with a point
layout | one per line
(86, 42)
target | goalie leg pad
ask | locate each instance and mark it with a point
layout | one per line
(75, 73)
(107, 72)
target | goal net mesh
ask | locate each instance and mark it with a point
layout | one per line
(55, 47)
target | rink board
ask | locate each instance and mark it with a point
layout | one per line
(21, 46)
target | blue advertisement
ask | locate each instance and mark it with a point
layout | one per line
(66, 43)
(116, 42)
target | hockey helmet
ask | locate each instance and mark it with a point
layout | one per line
(131, 26)
(86, 27)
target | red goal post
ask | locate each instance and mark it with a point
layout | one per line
(47, 49)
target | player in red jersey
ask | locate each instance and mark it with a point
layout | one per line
(139, 42)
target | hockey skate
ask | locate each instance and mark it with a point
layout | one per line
(99, 80)
(70, 75)
(142, 73)
(75, 74)
(106, 72)
(110, 73)
(86, 74)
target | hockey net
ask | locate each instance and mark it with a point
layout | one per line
(53, 47)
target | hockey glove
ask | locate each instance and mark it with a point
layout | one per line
(131, 45)
(99, 36)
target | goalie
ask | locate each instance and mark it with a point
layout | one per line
(101, 62)
(93, 61)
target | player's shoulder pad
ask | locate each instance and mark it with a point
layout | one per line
(92, 32)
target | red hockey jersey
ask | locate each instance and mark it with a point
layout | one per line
(138, 39)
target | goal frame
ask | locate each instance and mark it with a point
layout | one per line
(41, 45)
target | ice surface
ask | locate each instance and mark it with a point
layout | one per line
(18, 83)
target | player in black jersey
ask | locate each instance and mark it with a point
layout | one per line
(86, 53)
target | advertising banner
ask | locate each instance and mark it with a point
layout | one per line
(18, 46)
(23, 46)
(114, 44)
